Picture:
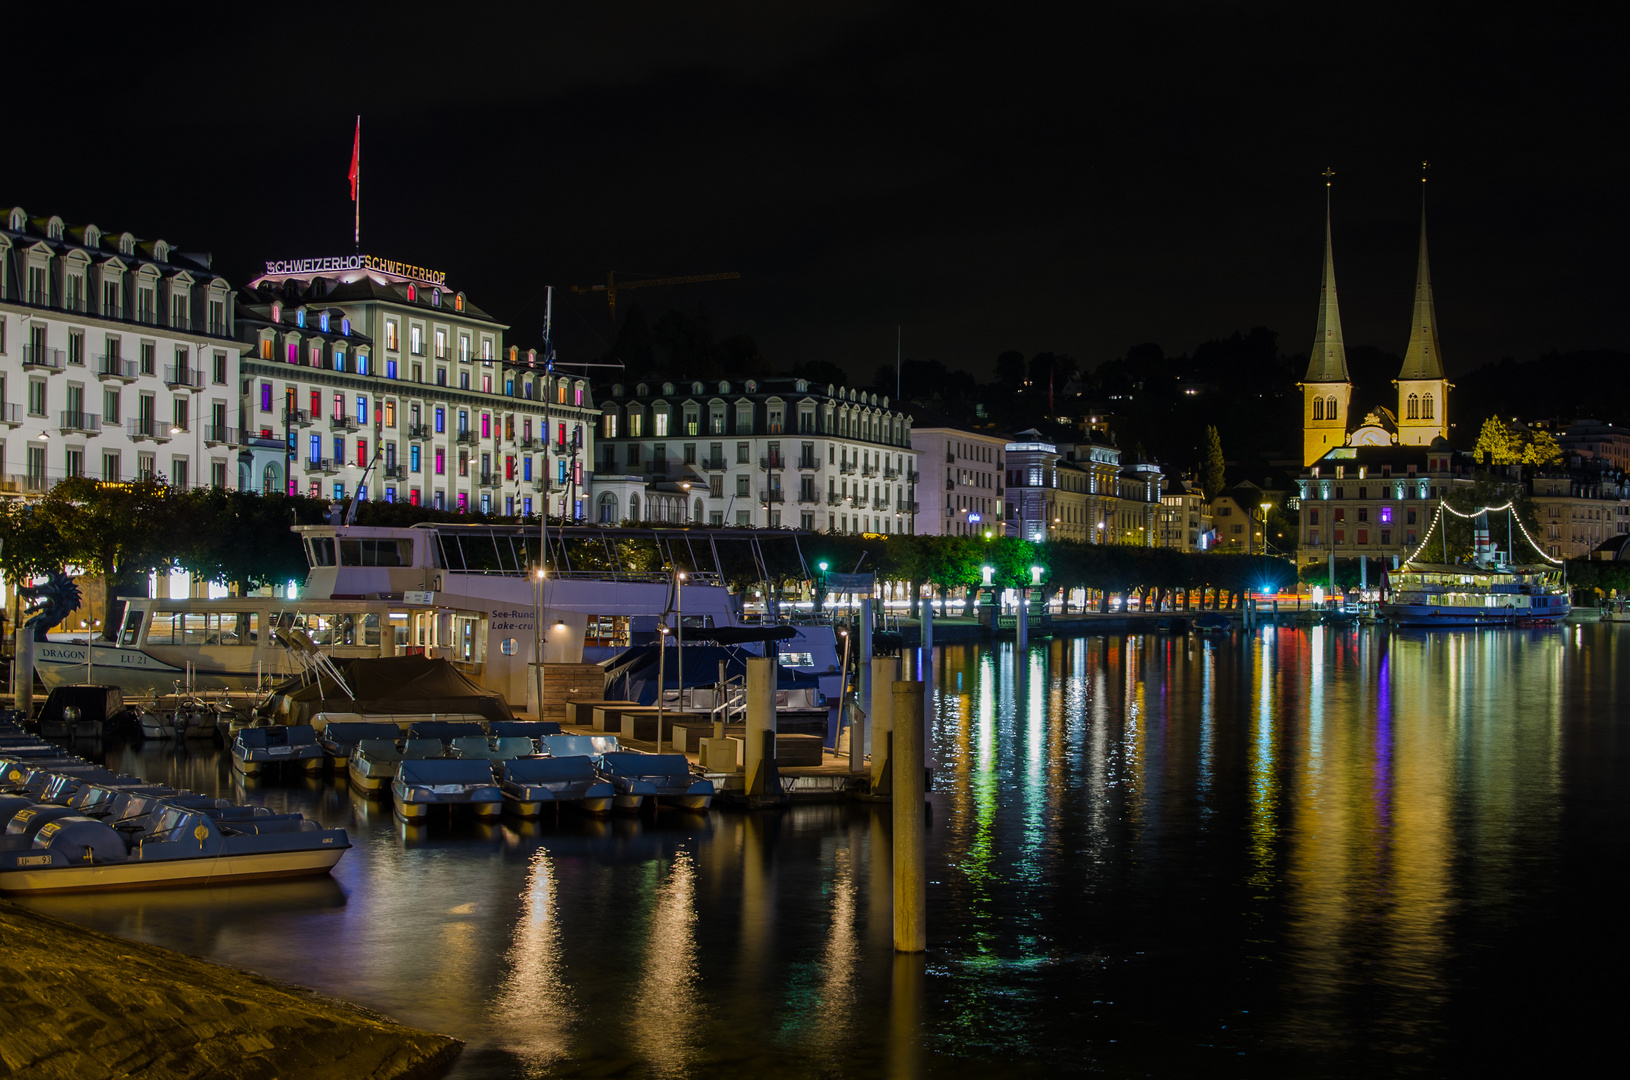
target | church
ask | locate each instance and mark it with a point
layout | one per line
(1371, 483)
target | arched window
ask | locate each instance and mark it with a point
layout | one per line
(271, 481)
(1330, 408)
(608, 508)
(1318, 408)
(1426, 407)
(697, 515)
(633, 508)
(1413, 410)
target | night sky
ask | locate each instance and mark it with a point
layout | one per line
(1076, 183)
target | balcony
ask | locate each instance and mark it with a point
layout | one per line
(834, 499)
(326, 466)
(299, 418)
(950, 458)
(343, 423)
(529, 442)
(468, 438)
(115, 367)
(772, 461)
(913, 477)
(950, 484)
(774, 496)
(147, 427)
(221, 435)
(418, 432)
(809, 462)
(395, 471)
(809, 497)
(177, 376)
(41, 356)
(713, 464)
(81, 423)
(219, 328)
(860, 502)
(847, 468)
(491, 480)
(890, 474)
(11, 415)
(905, 506)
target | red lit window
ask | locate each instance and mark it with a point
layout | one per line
(413, 293)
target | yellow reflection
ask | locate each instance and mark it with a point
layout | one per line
(834, 1015)
(535, 1010)
(667, 1015)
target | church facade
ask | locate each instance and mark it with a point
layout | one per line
(1371, 484)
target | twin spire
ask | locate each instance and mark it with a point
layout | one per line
(1328, 362)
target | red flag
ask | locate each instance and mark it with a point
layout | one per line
(356, 157)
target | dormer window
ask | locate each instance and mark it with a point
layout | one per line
(751, 386)
(161, 251)
(802, 385)
(413, 293)
(667, 388)
(127, 244)
(696, 388)
(53, 228)
(19, 219)
(277, 312)
(322, 321)
(345, 327)
(641, 390)
(458, 302)
(300, 318)
(435, 298)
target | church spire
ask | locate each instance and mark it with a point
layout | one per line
(1328, 362)
(1422, 360)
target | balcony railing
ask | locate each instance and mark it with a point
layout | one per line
(834, 499)
(772, 461)
(42, 356)
(299, 418)
(491, 479)
(529, 442)
(179, 322)
(395, 471)
(868, 470)
(913, 477)
(847, 468)
(321, 465)
(221, 435)
(219, 328)
(468, 438)
(890, 473)
(809, 461)
(343, 423)
(82, 422)
(772, 496)
(418, 432)
(115, 367)
(905, 506)
(177, 376)
(11, 414)
(860, 501)
(713, 464)
(809, 496)
(147, 427)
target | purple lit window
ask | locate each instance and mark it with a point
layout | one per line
(1386, 515)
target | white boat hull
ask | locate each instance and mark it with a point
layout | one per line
(1445, 616)
(171, 873)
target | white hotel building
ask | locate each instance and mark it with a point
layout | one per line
(963, 471)
(775, 452)
(117, 359)
(356, 358)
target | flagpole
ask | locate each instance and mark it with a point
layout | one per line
(357, 194)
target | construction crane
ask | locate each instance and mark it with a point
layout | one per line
(613, 286)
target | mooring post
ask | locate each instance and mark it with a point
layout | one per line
(1021, 628)
(860, 722)
(22, 672)
(885, 671)
(763, 780)
(928, 624)
(910, 856)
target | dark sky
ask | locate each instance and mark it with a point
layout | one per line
(1078, 181)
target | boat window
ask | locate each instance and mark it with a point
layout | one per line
(376, 552)
(322, 550)
(795, 659)
(233, 628)
(480, 553)
(178, 628)
(132, 627)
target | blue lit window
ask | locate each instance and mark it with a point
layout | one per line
(345, 327)
(339, 450)
(441, 419)
(486, 504)
(390, 494)
(339, 359)
(509, 387)
(300, 319)
(316, 448)
(526, 468)
(322, 322)
(390, 369)
(362, 410)
(362, 493)
(413, 459)
(339, 491)
(362, 363)
(527, 503)
(562, 476)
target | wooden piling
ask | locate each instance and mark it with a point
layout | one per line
(910, 855)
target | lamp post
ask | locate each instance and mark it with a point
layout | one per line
(679, 644)
(1266, 506)
(537, 638)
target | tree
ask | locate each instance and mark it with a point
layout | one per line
(1497, 443)
(1010, 368)
(1542, 450)
(121, 532)
(1212, 478)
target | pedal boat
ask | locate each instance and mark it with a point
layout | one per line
(74, 853)
(421, 785)
(664, 778)
(257, 747)
(373, 764)
(339, 739)
(529, 783)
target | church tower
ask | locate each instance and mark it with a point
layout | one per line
(1327, 390)
(1423, 390)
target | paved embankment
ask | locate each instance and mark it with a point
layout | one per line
(82, 1005)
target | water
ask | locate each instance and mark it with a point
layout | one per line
(1306, 853)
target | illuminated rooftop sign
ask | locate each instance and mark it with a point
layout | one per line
(335, 264)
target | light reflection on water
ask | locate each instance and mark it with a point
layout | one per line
(1306, 852)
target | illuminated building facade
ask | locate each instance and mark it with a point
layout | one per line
(1081, 491)
(357, 359)
(117, 359)
(962, 474)
(770, 452)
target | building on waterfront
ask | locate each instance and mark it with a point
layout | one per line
(358, 360)
(963, 471)
(117, 359)
(1062, 490)
(1580, 506)
(1594, 439)
(1185, 516)
(777, 451)
(1371, 483)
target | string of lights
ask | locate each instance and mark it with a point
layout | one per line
(1509, 506)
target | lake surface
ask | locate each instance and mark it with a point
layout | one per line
(1300, 853)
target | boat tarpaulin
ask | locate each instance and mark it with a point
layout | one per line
(394, 684)
(632, 676)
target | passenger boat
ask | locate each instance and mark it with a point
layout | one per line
(1487, 591)
(530, 782)
(659, 777)
(72, 852)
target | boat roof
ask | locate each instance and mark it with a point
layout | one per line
(1470, 568)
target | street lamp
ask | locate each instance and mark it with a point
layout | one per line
(537, 638)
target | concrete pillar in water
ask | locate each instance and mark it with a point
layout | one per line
(860, 719)
(910, 853)
(885, 670)
(1021, 628)
(22, 671)
(928, 623)
(1363, 575)
(763, 780)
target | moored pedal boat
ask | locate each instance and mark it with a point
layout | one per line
(339, 739)
(529, 783)
(659, 777)
(420, 785)
(372, 765)
(256, 748)
(186, 847)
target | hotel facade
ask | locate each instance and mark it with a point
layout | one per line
(359, 361)
(117, 359)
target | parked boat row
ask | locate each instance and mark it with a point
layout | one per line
(71, 825)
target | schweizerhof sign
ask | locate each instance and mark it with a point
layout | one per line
(340, 263)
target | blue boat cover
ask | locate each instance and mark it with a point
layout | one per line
(633, 675)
